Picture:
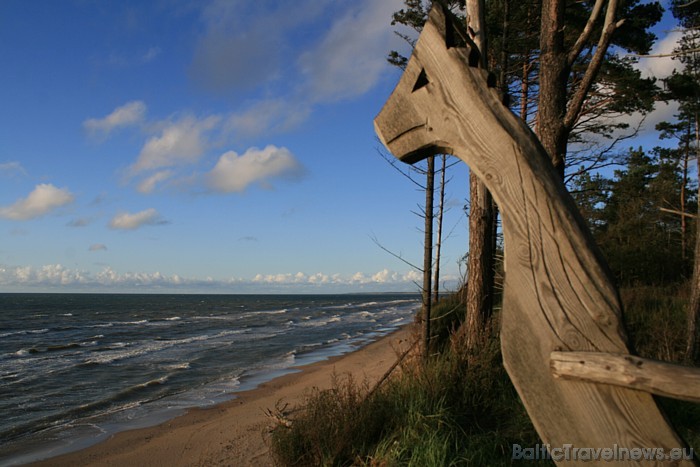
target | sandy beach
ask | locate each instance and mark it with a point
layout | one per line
(234, 432)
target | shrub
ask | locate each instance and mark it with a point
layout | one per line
(332, 426)
(447, 412)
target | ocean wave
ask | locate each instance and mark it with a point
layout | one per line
(58, 347)
(96, 409)
(55, 348)
(339, 307)
(25, 332)
(141, 321)
(25, 352)
(136, 350)
(177, 366)
(319, 322)
(179, 356)
(112, 346)
(262, 312)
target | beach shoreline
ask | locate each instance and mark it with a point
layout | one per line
(235, 432)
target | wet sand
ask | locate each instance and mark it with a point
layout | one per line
(235, 433)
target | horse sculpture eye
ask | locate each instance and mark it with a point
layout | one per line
(422, 81)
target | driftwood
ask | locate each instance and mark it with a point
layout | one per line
(278, 416)
(391, 369)
(558, 295)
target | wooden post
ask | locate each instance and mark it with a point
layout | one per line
(643, 374)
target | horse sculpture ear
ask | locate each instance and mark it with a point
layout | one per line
(453, 32)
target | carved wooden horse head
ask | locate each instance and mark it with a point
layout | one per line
(558, 294)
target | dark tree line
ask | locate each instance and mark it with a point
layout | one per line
(635, 217)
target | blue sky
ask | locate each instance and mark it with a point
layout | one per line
(205, 146)
(222, 146)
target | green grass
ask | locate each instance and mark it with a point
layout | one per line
(460, 409)
(656, 324)
(655, 318)
(448, 412)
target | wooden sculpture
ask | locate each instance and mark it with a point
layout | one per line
(558, 295)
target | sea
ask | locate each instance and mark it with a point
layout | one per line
(77, 368)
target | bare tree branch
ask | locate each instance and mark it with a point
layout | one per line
(397, 256)
(578, 99)
(586, 33)
(671, 54)
(679, 213)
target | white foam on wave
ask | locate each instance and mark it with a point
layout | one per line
(177, 366)
(115, 354)
(263, 312)
(141, 321)
(24, 332)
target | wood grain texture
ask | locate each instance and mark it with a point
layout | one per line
(660, 378)
(558, 293)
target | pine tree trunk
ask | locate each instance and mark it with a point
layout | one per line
(481, 219)
(428, 254)
(692, 350)
(684, 183)
(551, 130)
(480, 283)
(438, 242)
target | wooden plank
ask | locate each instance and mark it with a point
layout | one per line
(558, 295)
(660, 378)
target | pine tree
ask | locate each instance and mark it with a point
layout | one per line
(684, 87)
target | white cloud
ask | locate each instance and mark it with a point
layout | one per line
(59, 275)
(359, 277)
(11, 168)
(131, 113)
(249, 46)
(151, 54)
(42, 200)
(127, 221)
(384, 276)
(246, 44)
(234, 173)
(268, 116)
(415, 276)
(351, 58)
(149, 183)
(97, 247)
(661, 67)
(50, 274)
(79, 222)
(250, 58)
(180, 142)
(24, 277)
(288, 278)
